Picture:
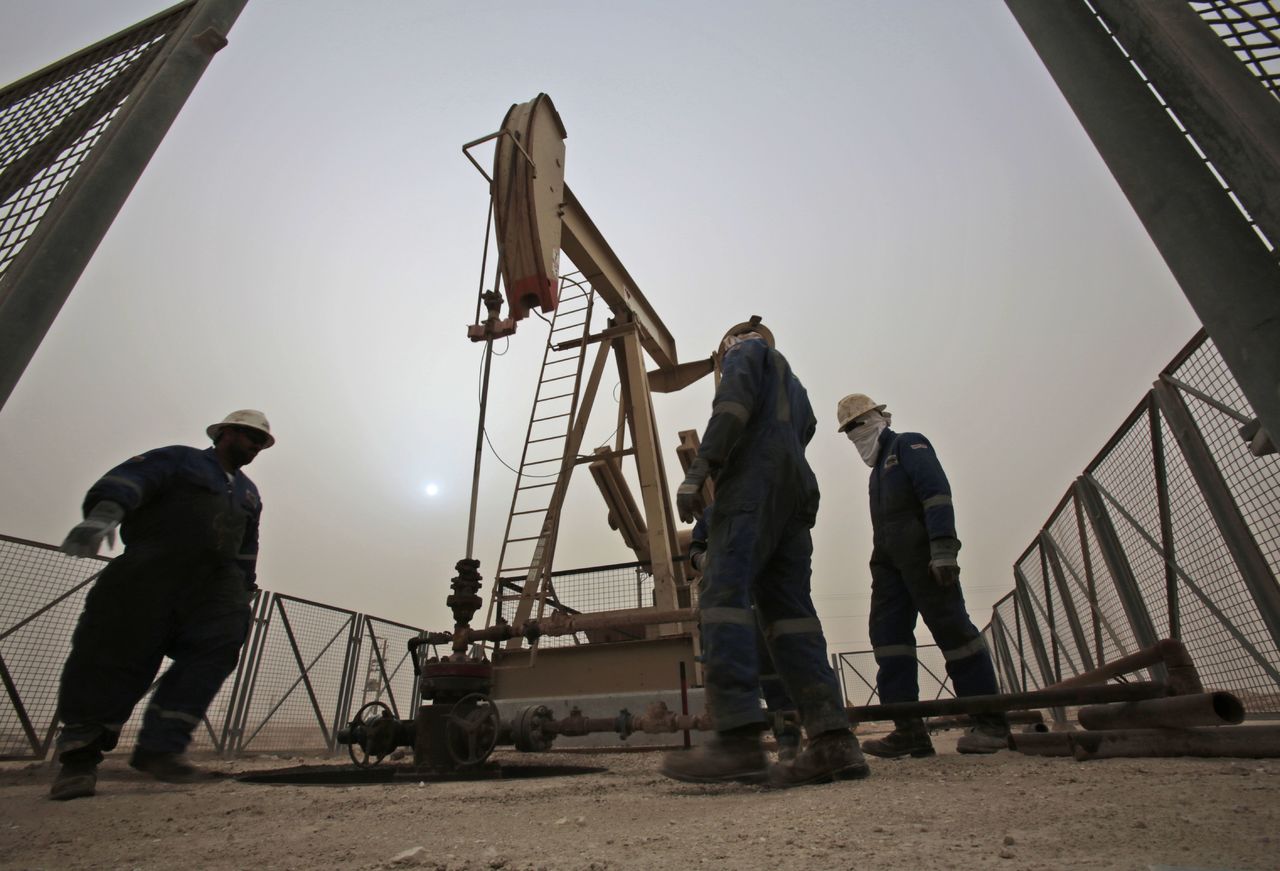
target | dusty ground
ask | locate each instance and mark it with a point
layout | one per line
(1005, 812)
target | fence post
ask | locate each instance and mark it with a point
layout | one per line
(1240, 542)
(1000, 633)
(1068, 601)
(350, 671)
(1166, 517)
(243, 700)
(1122, 576)
(1021, 590)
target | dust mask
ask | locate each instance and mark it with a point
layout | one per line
(866, 436)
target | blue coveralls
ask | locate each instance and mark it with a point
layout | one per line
(759, 546)
(910, 507)
(776, 700)
(180, 589)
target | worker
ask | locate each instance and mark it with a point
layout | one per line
(181, 589)
(758, 552)
(914, 572)
(781, 711)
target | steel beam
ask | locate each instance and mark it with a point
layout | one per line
(37, 283)
(1050, 551)
(1122, 576)
(1226, 272)
(586, 247)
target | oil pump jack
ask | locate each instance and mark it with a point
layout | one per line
(649, 647)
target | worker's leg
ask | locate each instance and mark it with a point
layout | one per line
(794, 632)
(892, 631)
(205, 650)
(116, 649)
(734, 544)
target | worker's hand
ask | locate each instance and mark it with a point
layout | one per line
(86, 537)
(697, 559)
(945, 575)
(689, 495)
(942, 561)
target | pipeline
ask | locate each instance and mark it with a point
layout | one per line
(1201, 709)
(1248, 742)
(1047, 698)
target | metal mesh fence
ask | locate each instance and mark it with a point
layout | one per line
(51, 121)
(1251, 29)
(1208, 606)
(601, 588)
(37, 617)
(385, 669)
(1127, 473)
(857, 672)
(298, 683)
(303, 672)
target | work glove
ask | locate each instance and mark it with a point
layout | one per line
(689, 503)
(697, 558)
(86, 537)
(942, 561)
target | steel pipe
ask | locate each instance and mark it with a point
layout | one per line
(1248, 742)
(1183, 677)
(995, 704)
(1203, 709)
(1042, 743)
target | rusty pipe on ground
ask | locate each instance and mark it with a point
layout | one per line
(1248, 742)
(1201, 709)
(1001, 703)
(1042, 743)
(1183, 677)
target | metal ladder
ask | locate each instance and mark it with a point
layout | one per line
(529, 537)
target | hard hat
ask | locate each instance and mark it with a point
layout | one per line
(853, 407)
(751, 326)
(246, 417)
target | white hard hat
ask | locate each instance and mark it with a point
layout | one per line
(751, 326)
(246, 417)
(853, 407)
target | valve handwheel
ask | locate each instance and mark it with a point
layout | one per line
(360, 727)
(471, 732)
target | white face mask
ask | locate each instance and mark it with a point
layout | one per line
(866, 437)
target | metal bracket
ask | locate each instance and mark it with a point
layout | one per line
(484, 139)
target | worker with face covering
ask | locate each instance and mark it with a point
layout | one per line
(914, 572)
(758, 552)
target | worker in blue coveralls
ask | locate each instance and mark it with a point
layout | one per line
(759, 553)
(914, 572)
(777, 704)
(181, 589)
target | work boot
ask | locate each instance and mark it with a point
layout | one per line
(74, 781)
(984, 738)
(830, 756)
(169, 767)
(788, 739)
(728, 758)
(908, 738)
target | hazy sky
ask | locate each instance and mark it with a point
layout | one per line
(897, 188)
